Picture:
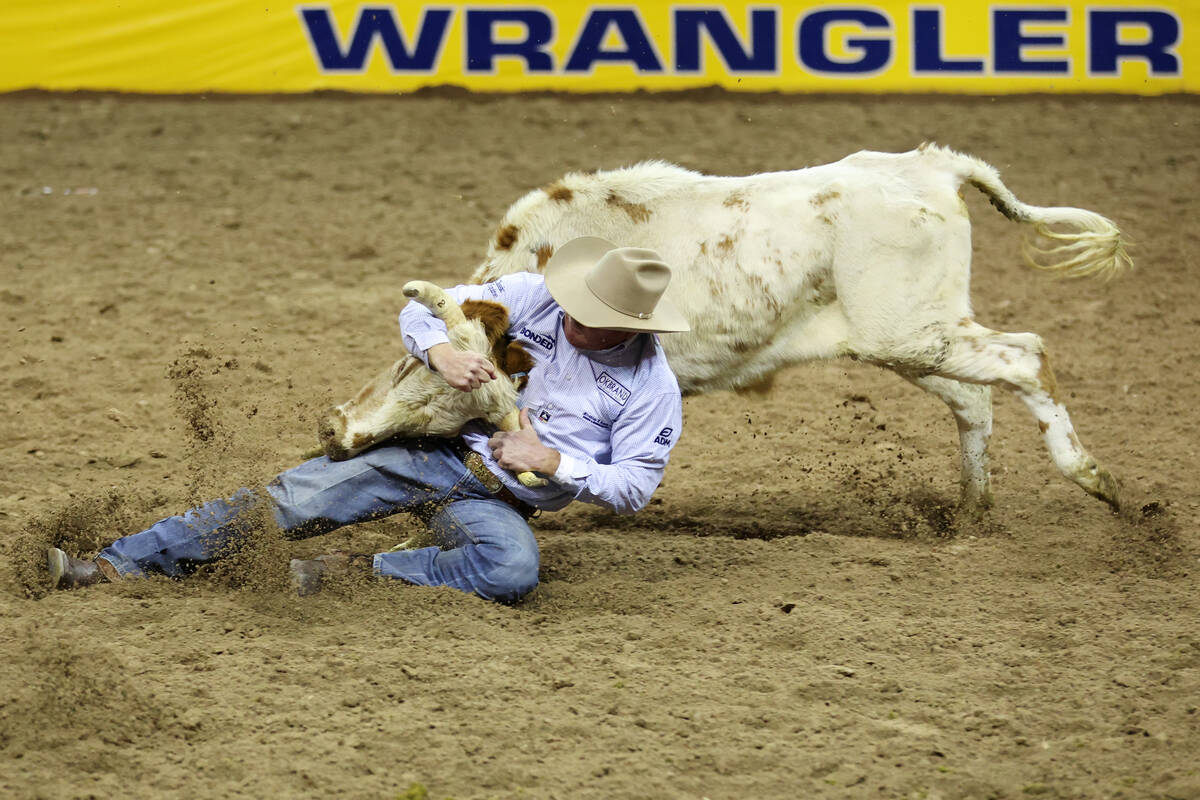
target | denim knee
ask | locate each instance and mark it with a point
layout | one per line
(515, 577)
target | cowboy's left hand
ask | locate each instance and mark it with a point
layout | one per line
(522, 451)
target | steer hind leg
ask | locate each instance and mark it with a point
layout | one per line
(1018, 361)
(971, 405)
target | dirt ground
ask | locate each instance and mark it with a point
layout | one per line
(187, 283)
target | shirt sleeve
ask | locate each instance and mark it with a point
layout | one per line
(642, 438)
(421, 330)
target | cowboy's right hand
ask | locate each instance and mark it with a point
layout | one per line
(462, 369)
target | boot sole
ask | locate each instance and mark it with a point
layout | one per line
(56, 561)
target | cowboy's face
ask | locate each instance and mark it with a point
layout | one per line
(582, 337)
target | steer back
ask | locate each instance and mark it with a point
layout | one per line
(409, 400)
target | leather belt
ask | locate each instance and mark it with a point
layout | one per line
(474, 462)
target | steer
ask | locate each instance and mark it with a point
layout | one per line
(409, 400)
(867, 258)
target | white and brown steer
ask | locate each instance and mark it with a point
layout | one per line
(410, 400)
(867, 258)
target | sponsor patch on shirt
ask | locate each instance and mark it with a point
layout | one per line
(664, 436)
(542, 340)
(597, 421)
(544, 415)
(612, 387)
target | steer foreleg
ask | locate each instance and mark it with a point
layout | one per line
(440, 304)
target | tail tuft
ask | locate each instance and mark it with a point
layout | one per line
(1095, 247)
(1070, 242)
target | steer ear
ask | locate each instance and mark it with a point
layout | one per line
(493, 316)
(516, 359)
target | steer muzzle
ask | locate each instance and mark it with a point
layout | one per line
(331, 431)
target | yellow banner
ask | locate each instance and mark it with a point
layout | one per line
(972, 47)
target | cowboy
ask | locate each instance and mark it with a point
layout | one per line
(600, 414)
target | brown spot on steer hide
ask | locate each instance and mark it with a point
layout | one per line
(556, 191)
(506, 237)
(1046, 379)
(506, 354)
(636, 211)
(515, 359)
(736, 200)
(493, 316)
(1007, 211)
(543, 253)
(821, 198)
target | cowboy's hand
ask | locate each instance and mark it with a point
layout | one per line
(522, 451)
(462, 369)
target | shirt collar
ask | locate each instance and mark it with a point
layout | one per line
(625, 354)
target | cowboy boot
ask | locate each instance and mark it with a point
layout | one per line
(306, 574)
(71, 573)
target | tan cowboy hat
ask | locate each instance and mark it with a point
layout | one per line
(619, 288)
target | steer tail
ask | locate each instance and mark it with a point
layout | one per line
(1074, 242)
(437, 301)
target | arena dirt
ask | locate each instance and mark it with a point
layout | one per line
(187, 283)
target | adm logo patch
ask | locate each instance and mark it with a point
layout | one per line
(664, 436)
(612, 387)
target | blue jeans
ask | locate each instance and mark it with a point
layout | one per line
(491, 549)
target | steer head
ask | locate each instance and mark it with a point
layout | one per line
(410, 400)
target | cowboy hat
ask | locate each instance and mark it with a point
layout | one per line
(618, 288)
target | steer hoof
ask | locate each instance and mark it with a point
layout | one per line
(418, 289)
(1103, 486)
